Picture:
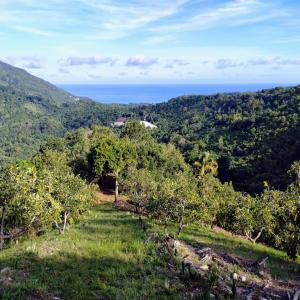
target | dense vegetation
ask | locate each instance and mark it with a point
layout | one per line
(156, 179)
(54, 189)
(254, 136)
(179, 174)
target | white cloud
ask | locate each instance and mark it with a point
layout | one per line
(27, 62)
(275, 61)
(63, 71)
(176, 62)
(32, 30)
(101, 19)
(90, 61)
(121, 17)
(141, 61)
(232, 13)
(227, 63)
(33, 65)
(93, 76)
(155, 40)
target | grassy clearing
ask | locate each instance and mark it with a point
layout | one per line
(102, 257)
(105, 257)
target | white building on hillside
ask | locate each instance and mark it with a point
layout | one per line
(121, 123)
(148, 125)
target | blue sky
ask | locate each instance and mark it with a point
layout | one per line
(161, 41)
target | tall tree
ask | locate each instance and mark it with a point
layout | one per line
(206, 165)
(112, 156)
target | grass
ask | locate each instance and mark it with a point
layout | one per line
(102, 257)
(106, 256)
(279, 264)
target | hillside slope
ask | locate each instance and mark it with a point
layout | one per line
(106, 256)
(254, 136)
(103, 257)
(29, 85)
(32, 109)
(25, 121)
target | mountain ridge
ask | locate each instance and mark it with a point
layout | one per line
(22, 81)
(252, 135)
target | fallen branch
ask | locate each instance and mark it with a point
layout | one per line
(263, 262)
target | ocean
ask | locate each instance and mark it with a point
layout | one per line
(129, 93)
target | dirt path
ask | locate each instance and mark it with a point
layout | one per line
(104, 197)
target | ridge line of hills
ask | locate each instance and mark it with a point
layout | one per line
(252, 135)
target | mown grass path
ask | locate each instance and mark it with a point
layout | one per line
(102, 257)
(106, 256)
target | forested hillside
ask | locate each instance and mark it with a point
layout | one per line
(25, 121)
(29, 85)
(254, 136)
(59, 240)
(31, 110)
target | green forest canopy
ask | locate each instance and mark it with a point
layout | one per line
(253, 136)
(54, 188)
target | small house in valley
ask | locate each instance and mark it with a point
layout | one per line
(120, 122)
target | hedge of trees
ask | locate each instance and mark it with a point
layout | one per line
(39, 195)
(175, 193)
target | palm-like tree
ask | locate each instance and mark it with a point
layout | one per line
(206, 165)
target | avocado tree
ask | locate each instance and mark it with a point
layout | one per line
(218, 200)
(73, 197)
(175, 201)
(288, 215)
(288, 221)
(25, 201)
(255, 215)
(140, 186)
(69, 194)
(112, 156)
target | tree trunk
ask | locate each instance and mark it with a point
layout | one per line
(65, 222)
(116, 189)
(181, 222)
(180, 225)
(58, 227)
(2, 226)
(61, 229)
(254, 240)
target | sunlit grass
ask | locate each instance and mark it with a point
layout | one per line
(102, 257)
(278, 262)
(106, 256)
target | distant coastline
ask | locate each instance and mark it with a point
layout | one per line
(155, 93)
